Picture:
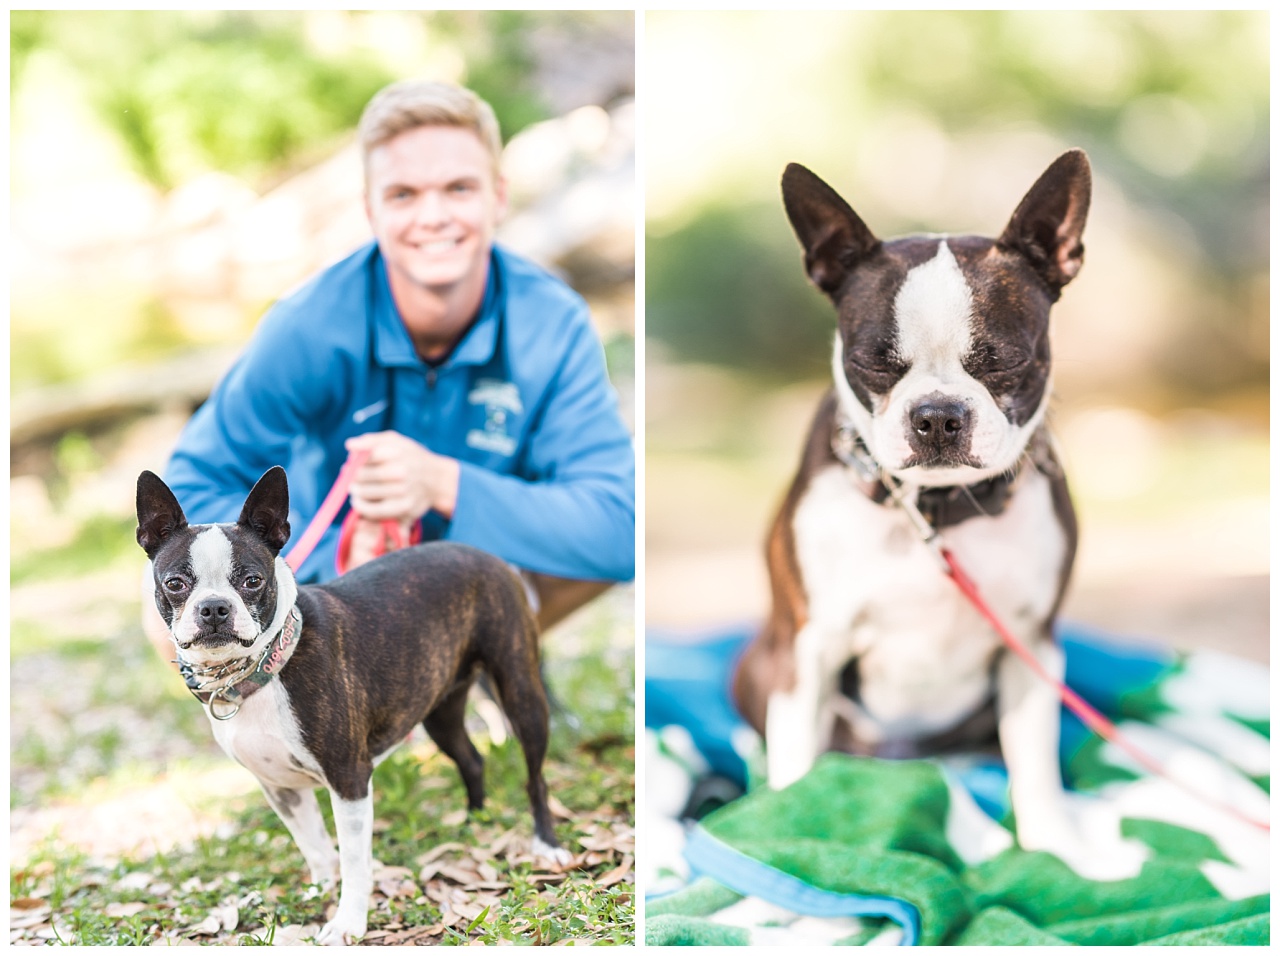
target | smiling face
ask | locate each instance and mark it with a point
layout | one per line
(434, 200)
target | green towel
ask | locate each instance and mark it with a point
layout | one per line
(865, 850)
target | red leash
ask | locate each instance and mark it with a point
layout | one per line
(329, 509)
(1099, 724)
(327, 512)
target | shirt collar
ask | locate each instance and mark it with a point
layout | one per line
(392, 345)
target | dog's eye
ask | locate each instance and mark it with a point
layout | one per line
(1011, 361)
(985, 360)
(175, 585)
(253, 581)
(876, 362)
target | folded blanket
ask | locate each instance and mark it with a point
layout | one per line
(865, 850)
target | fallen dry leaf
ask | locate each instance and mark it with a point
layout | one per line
(500, 844)
(228, 915)
(459, 874)
(139, 880)
(209, 926)
(558, 809)
(383, 872)
(487, 885)
(455, 819)
(124, 910)
(432, 855)
(291, 934)
(435, 891)
(410, 934)
(400, 889)
(27, 903)
(472, 909)
(618, 873)
(29, 918)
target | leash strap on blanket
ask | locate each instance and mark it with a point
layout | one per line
(1092, 719)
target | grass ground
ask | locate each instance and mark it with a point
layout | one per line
(129, 827)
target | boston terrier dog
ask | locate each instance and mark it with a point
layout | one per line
(312, 686)
(942, 381)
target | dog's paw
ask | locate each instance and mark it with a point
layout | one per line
(337, 933)
(325, 877)
(1092, 855)
(785, 766)
(556, 856)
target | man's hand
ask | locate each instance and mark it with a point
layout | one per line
(401, 480)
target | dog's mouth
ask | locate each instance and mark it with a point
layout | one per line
(217, 638)
(942, 459)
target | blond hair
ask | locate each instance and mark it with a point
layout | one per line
(408, 104)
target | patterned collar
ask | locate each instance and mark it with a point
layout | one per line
(941, 507)
(235, 690)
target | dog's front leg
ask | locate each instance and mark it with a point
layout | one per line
(1030, 721)
(795, 728)
(354, 822)
(300, 813)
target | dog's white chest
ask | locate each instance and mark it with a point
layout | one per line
(265, 738)
(877, 594)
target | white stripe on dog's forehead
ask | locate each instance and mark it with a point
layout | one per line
(934, 310)
(211, 556)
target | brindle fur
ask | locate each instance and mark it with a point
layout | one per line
(390, 644)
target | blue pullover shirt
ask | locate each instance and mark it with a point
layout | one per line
(523, 402)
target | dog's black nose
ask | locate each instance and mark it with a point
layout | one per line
(938, 424)
(214, 611)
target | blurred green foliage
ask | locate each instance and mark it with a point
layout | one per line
(247, 92)
(730, 289)
(241, 92)
(1172, 107)
(1116, 83)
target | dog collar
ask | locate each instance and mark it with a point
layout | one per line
(242, 686)
(942, 507)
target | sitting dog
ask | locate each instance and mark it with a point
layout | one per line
(942, 381)
(312, 686)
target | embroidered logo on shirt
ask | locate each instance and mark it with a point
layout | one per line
(501, 400)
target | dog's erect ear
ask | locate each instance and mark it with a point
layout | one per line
(159, 514)
(833, 236)
(266, 510)
(1047, 225)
